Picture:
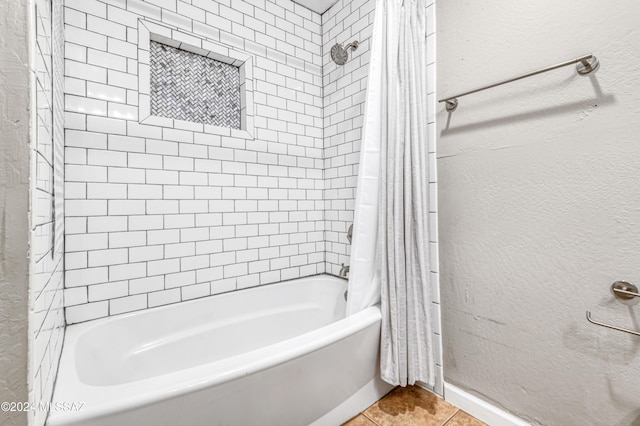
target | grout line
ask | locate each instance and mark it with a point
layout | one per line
(452, 416)
(370, 419)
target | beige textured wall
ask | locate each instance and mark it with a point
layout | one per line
(14, 204)
(540, 207)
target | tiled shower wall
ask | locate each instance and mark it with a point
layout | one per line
(159, 214)
(344, 98)
(344, 101)
(47, 315)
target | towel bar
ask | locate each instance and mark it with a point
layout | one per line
(586, 64)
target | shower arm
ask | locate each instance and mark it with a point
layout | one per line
(353, 45)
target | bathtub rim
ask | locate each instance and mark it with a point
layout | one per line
(109, 398)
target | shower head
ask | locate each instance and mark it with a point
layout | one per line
(339, 54)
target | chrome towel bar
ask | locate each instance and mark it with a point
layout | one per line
(586, 65)
(625, 292)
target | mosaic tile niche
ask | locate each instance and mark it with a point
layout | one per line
(191, 87)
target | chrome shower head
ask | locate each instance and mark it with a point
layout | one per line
(339, 54)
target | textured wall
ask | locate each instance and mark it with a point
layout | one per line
(47, 205)
(539, 201)
(344, 101)
(14, 204)
(158, 214)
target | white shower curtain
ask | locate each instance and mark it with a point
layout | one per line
(389, 257)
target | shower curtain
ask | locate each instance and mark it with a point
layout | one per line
(389, 257)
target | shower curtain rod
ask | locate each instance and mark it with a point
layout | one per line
(586, 65)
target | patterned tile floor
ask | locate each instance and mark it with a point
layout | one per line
(413, 406)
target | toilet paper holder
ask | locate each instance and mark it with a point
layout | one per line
(624, 291)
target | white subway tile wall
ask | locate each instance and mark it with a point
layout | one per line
(170, 211)
(344, 92)
(46, 323)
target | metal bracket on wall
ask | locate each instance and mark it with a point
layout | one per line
(623, 291)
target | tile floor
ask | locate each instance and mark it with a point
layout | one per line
(413, 406)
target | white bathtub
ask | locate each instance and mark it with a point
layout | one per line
(282, 354)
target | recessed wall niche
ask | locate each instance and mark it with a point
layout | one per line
(192, 83)
(191, 87)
